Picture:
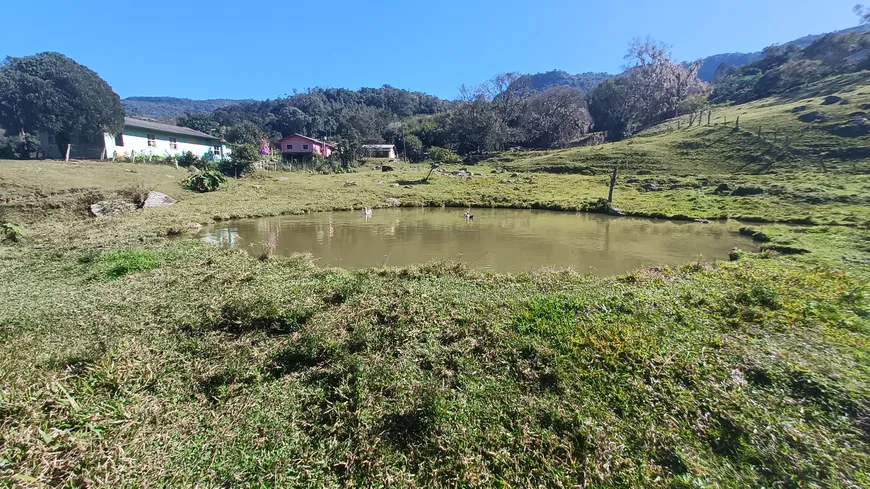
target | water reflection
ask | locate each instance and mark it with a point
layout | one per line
(502, 239)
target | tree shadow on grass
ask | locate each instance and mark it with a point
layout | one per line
(421, 181)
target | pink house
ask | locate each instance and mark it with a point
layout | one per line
(298, 144)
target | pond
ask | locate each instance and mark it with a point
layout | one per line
(504, 240)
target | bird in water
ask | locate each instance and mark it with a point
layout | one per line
(468, 217)
(368, 212)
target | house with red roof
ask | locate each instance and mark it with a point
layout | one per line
(299, 145)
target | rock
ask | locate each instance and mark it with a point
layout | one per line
(380, 182)
(702, 221)
(282, 179)
(831, 99)
(407, 186)
(514, 175)
(814, 116)
(643, 172)
(157, 199)
(111, 207)
(350, 183)
(615, 211)
(650, 187)
(494, 171)
(387, 168)
(395, 185)
(723, 187)
(856, 127)
(632, 180)
(394, 201)
(743, 191)
(799, 108)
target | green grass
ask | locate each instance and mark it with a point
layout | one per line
(133, 355)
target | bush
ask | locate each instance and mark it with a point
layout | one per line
(19, 148)
(187, 158)
(204, 181)
(443, 156)
(11, 232)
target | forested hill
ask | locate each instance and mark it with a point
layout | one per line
(172, 107)
(585, 82)
(710, 64)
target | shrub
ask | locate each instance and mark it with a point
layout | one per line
(443, 156)
(17, 147)
(204, 181)
(11, 232)
(187, 158)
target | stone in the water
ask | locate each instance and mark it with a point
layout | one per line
(111, 207)
(157, 199)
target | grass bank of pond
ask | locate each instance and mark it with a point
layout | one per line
(131, 358)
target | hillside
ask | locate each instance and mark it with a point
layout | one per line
(710, 64)
(171, 107)
(799, 131)
(558, 78)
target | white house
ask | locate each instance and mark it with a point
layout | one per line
(139, 138)
(381, 150)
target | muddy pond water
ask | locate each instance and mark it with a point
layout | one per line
(504, 240)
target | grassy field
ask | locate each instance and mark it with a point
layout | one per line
(133, 355)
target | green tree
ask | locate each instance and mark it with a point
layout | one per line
(200, 122)
(241, 160)
(245, 133)
(53, 93)
(413, 148)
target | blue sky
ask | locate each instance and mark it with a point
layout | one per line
(265, 49)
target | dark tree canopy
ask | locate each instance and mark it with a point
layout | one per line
(51, 92)
(200, 122)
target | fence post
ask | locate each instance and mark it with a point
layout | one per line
(68, 146)
(737, 124)
(709, 113)
(612, 184)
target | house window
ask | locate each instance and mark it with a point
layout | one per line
(217, 150)
(152, 140)
(173, 143)
(289, 146)
(119, 140)
(304, 146)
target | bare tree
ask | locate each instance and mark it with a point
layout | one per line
(556, 117)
